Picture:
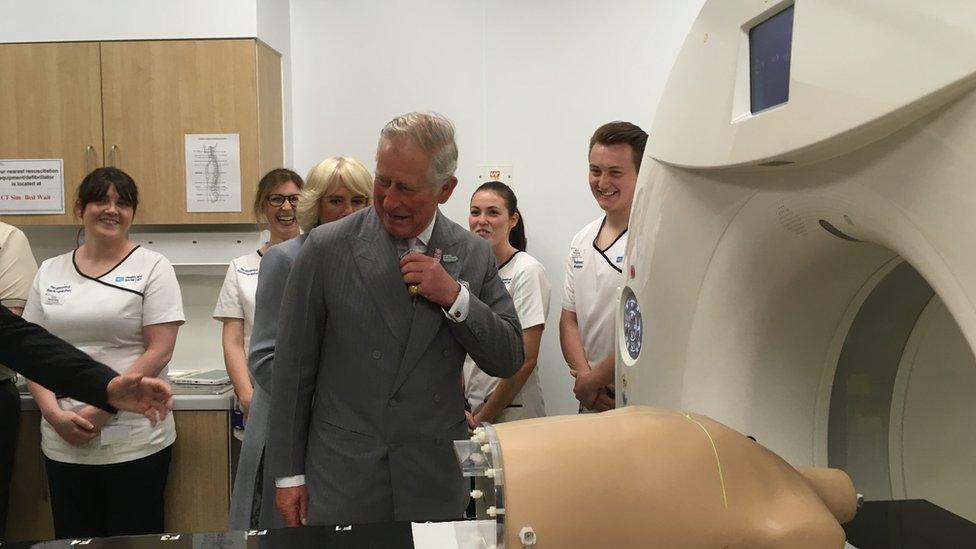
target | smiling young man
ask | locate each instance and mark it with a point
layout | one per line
(593, 268)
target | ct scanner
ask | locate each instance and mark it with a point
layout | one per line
(802, 255)
(801, 268)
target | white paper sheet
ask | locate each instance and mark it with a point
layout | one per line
(213, 172)
(32, 186)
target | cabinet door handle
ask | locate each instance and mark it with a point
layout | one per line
(90, 159)
(115, 156)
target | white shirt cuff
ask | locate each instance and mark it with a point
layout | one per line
(290, 482)
(459, 311)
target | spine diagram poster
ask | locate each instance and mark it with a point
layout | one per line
(213, 172)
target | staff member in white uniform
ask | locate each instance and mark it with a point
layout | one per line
(274, 202)
(17, 268)
(121, 304)
(593, 269)
(494, 216)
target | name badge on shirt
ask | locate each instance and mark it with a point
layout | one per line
(115, 434)
(54, 295)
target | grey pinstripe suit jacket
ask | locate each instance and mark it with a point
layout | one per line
(366, 396)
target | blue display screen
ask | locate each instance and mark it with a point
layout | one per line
(770, 43)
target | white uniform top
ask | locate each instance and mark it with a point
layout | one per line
(592, 279)
(104, 317)
(236, 299)
(525, 279)
(17, 268)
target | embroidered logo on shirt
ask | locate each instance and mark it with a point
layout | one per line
(506, 281)
(128, 278)
(577, 257)
(247, 272)
(620, 259)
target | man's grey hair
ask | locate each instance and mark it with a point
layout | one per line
(433, 134)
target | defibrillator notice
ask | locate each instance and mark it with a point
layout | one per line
(32, 187)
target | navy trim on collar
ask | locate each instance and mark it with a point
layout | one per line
(509, 260)
(603, 251)
(99, 280)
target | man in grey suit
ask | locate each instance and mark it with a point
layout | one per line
(379, 311)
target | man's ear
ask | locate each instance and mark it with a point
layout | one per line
(447, 190)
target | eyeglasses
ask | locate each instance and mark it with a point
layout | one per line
(278, 200)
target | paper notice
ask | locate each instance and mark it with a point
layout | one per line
(213, 172)
(32, 187)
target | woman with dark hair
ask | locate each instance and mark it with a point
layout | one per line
(495, 216)
(275, 204)
(121, 304)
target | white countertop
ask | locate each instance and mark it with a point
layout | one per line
(213, 397)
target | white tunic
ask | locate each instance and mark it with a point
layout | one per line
(236, 299)
(592, 279)
(525, 279)
(104, 317)
(17, 269)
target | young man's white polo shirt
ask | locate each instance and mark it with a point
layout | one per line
(590, 288)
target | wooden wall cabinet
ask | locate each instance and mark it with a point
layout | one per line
(51, 107)
(129, 104)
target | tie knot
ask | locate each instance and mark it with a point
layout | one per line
(406, 245)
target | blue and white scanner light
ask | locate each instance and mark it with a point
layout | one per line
(802, 259)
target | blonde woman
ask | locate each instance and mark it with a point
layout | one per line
(335, 188)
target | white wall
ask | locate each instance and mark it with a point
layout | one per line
(526, 83)
(70, 20)
(274, 29)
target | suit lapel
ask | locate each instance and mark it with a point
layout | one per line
(427, 316)
(376, 258)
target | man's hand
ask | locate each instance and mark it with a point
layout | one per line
(292, 503)
(587, 387)
(472, 422)
(245, 400)
(148, 396)
(73, 428)
(432, 281)
(603, 402)
(96, 416)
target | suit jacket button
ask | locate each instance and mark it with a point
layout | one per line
(377, 355)
(437, 397)
(392, 402)
(446, 352)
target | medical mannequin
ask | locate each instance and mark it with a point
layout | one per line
(642, 476)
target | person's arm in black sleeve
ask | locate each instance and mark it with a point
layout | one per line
(42, 357)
